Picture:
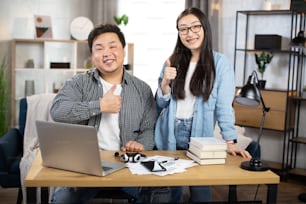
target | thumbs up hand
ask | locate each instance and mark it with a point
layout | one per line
(110, 103)
(169, 76)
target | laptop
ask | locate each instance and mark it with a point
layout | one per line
(72, 147)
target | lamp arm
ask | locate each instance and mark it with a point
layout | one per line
(264, 107)
(263, 117)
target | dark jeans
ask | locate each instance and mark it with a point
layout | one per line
(84, 195)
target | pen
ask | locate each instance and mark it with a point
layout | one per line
(170, 160)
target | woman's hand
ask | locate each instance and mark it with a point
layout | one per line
(169, 75)
(234, 150)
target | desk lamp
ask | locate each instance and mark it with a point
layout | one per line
(249, 95)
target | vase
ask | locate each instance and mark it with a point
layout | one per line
(29, 88)
(261, 84)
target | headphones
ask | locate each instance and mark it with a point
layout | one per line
(130, 157)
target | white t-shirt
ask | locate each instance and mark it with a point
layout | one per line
(108, 133)
(185, 106)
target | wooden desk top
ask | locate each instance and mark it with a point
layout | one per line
(228, 174)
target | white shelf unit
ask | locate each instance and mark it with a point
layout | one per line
(43, 52)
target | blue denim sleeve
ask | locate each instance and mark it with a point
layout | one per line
(226, 91)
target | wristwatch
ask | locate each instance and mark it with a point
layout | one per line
(231, 141)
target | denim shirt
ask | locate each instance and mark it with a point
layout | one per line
(217, 108)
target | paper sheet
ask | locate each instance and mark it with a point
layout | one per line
(173, 166)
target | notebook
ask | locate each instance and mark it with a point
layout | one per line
(72, 147)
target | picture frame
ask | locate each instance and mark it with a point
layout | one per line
(43, 26)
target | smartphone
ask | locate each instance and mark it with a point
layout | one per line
(153, 166)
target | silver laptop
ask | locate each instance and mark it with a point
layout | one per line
(72, 147)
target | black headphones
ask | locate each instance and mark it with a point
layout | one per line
(130, 157)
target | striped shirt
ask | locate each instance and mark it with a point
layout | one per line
(78, 102)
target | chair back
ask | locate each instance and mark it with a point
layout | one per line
(23, 105)
(10, 151)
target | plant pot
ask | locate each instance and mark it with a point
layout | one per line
(261, 84)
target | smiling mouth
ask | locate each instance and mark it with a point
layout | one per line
(192, 40)
(108, 61)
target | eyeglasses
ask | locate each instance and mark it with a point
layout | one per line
(193, 28)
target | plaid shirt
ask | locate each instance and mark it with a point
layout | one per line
(79, 102)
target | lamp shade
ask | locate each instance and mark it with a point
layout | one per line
(248, 95)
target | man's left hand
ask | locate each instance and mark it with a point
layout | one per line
(132, 146)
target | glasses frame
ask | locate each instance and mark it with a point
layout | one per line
(191, 28)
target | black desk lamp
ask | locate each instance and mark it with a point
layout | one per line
(249, 95)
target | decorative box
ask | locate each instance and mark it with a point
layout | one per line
(268, 42)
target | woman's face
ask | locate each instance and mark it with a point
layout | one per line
(191, 32)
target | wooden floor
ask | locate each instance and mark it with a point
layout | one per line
(287, 193)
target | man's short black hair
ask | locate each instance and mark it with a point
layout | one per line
(105, 28)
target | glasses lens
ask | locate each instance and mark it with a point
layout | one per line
(195, 28)
(183, 31)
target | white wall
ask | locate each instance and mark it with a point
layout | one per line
(17, 21)
(152, 29)
(277, 69)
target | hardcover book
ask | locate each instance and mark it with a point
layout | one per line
(207, 154)
(208, 143)
(205, 161)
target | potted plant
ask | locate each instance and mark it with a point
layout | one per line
(262, 60)
(304, 92)
(4, 98)
(124, 19)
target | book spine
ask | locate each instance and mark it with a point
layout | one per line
(205, 161)
(207, 154)
(208, 147)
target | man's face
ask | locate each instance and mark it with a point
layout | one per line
(108, 53)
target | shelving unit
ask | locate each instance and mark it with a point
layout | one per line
(295, 139)
(43, 52)
(284, 102)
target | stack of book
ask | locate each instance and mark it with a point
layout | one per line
(207, 150)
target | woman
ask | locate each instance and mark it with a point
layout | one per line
(196, 89)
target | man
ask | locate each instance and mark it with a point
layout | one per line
(121, 107)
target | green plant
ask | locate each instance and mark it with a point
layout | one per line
(123, 19)
(262, 60)
(4, 98)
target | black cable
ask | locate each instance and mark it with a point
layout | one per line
(256, 192)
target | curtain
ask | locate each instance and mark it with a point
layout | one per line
(201, 4)
(103, 11)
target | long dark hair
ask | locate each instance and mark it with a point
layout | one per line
(203, 78)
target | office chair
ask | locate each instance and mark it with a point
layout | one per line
(11, 150)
